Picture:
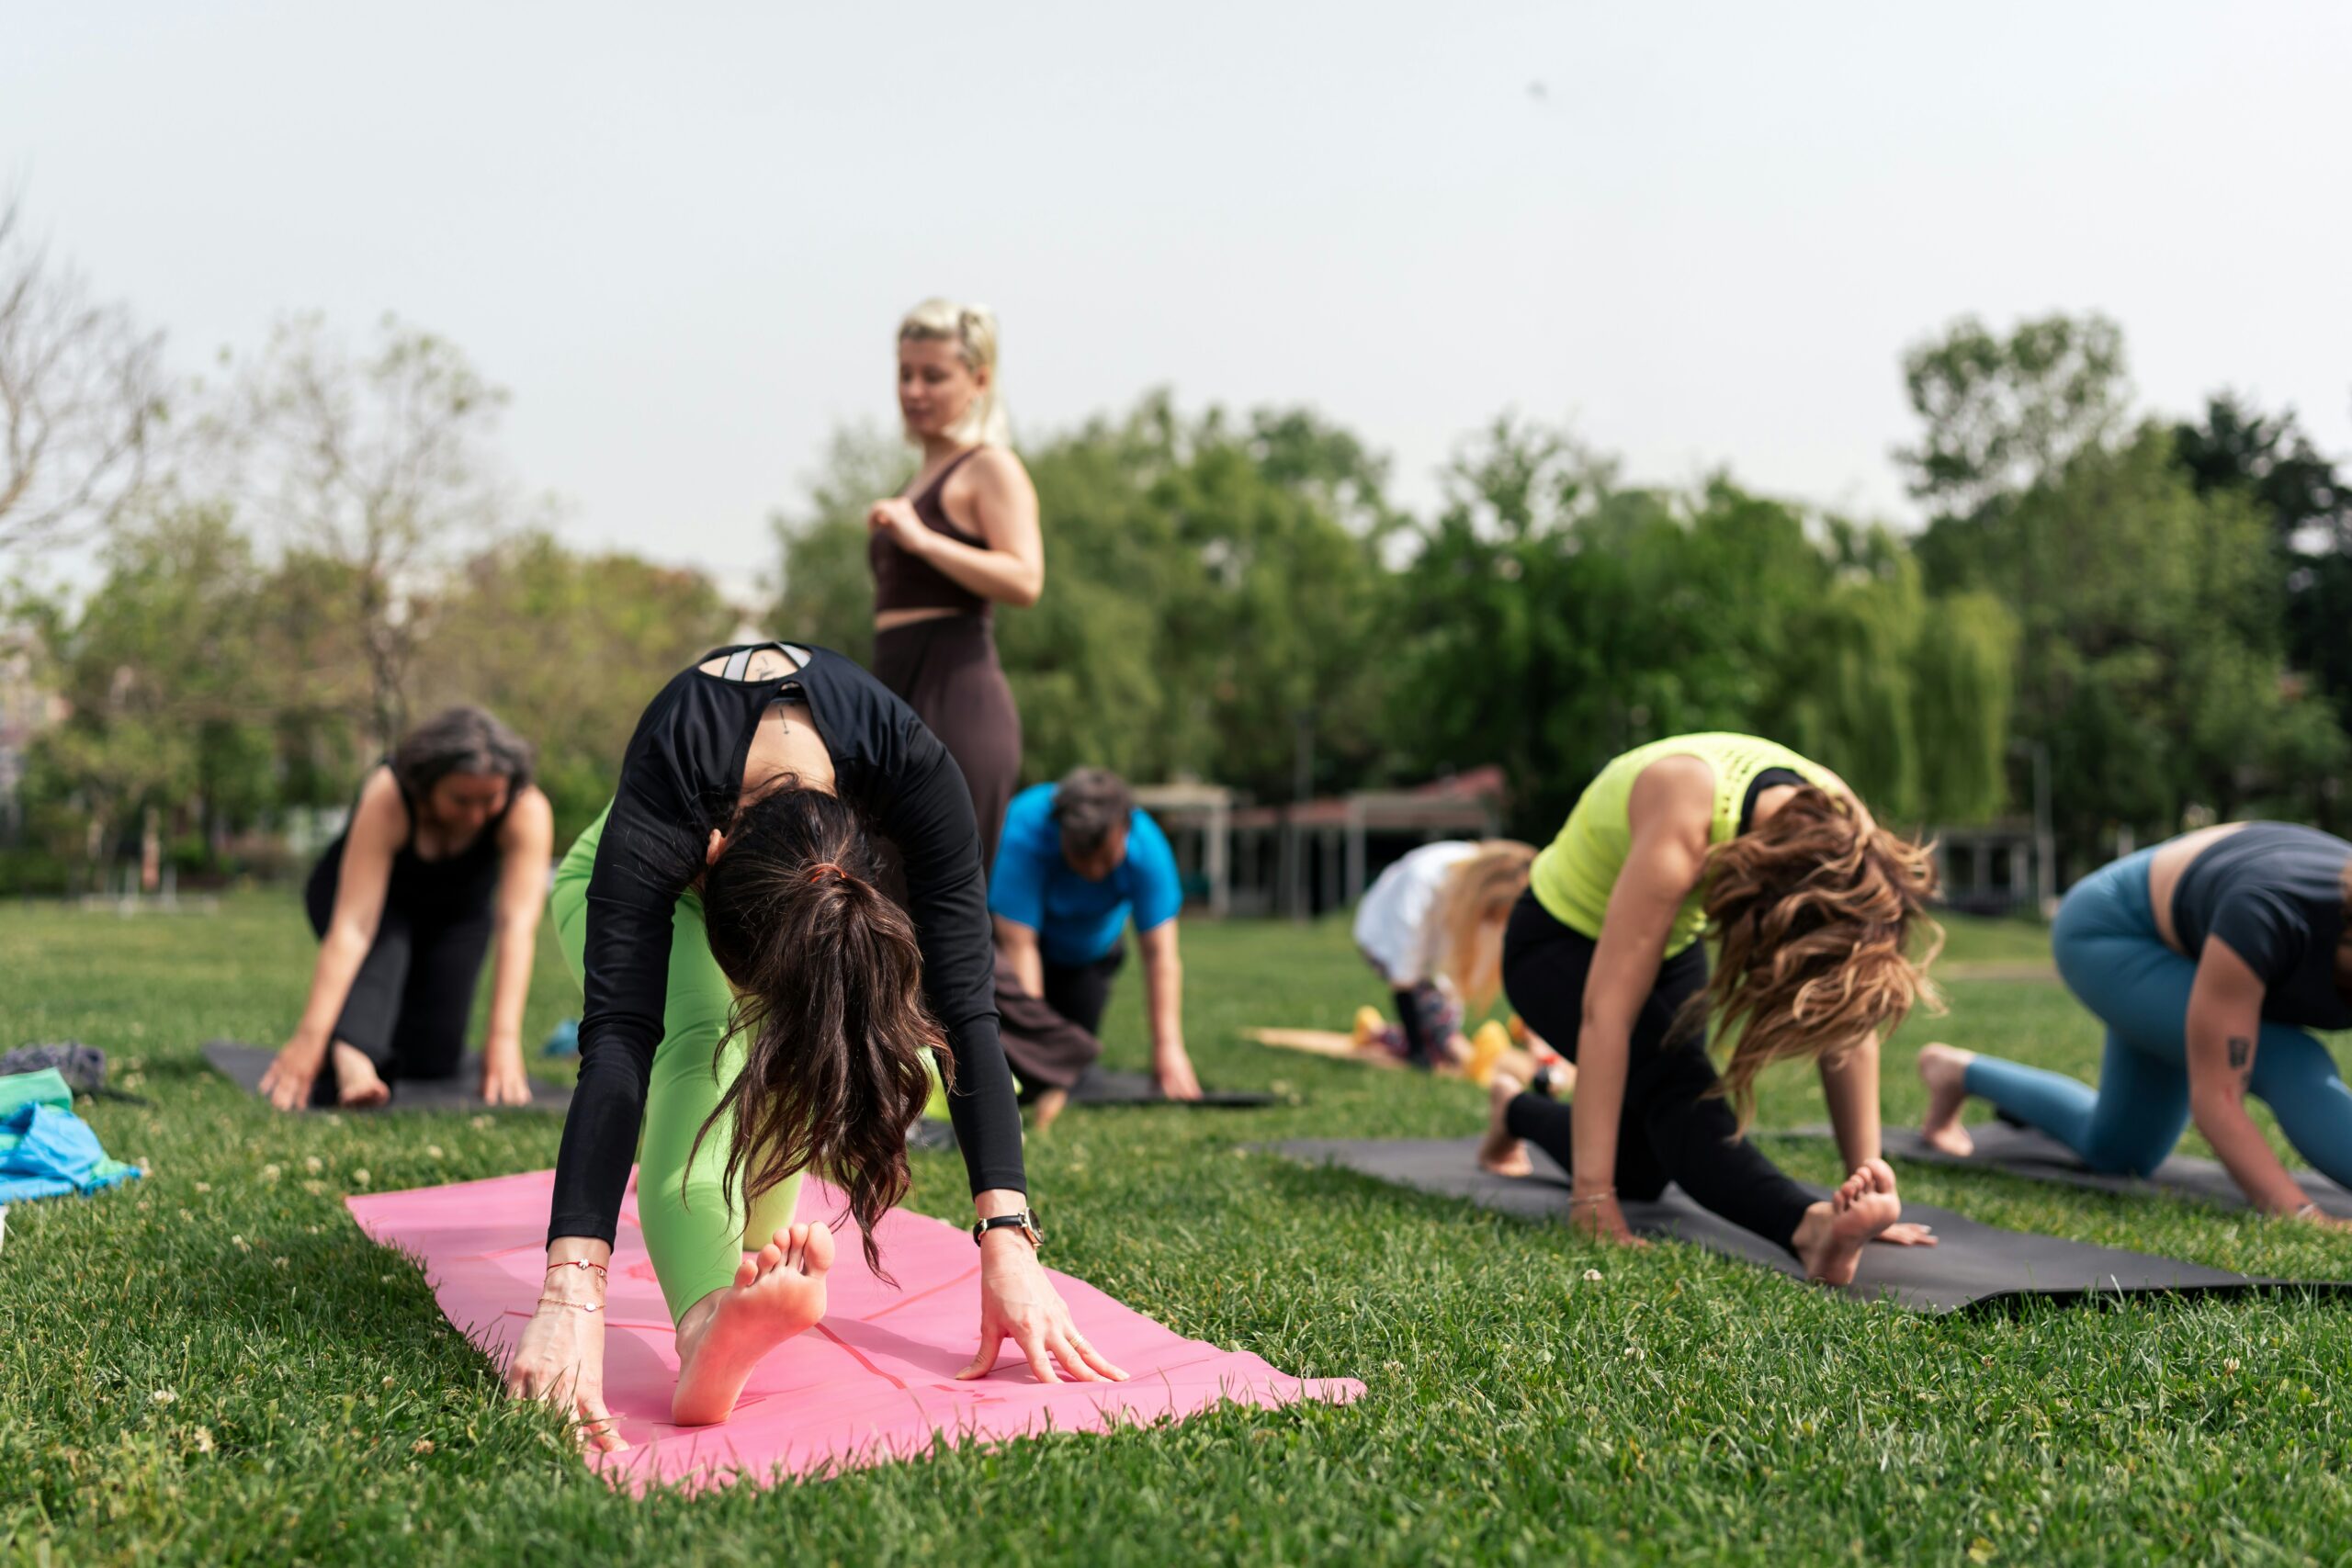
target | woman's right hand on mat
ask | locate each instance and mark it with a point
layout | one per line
(286, 1084)
(1019, 1303)
(1597, 1216)
(561, 1358)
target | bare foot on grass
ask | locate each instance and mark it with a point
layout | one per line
(1831, 1237)
(1498, 1151)
(1944, 1069)
(776, 1294)
(357, 1085)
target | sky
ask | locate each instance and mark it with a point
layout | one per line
(1703, 234)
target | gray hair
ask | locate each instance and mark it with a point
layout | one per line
(461, 741)
(1088, 804)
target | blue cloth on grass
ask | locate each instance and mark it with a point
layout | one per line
(46, 1151)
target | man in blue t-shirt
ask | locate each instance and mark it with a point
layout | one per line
(1077, 859)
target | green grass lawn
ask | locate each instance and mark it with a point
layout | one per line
(212, 1365)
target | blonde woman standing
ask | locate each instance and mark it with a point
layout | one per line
(961, 539)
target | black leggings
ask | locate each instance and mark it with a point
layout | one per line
(1671, 1129)
(414, 996)
(1080, 991)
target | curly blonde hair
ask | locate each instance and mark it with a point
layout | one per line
(1477, 893)
(1815, 912)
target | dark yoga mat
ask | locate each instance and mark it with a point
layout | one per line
(1100, 1086)
(2023, 1151)
(1975, 1265)
(244, 1066)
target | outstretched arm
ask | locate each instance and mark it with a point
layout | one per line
(526, 846)
(378, 826)
(1163, 987)
(1668, 814)
(2224, 1028)
(1850, 1083)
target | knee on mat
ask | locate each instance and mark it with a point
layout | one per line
(2115, 1158)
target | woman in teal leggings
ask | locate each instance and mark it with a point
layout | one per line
(2208, 958)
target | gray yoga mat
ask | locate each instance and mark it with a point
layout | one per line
(1975, 1265)
(2024, 1151)
(244, 1066)
(1103, 1086)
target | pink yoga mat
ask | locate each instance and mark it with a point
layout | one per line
(876, 1381)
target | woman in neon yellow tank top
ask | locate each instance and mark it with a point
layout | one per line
(1813, 906)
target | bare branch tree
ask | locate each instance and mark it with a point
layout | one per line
(380, 466)
(81, 390)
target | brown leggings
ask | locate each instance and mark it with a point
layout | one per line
(946, 669)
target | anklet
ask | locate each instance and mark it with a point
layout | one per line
(576, 1306)
(579, 1263)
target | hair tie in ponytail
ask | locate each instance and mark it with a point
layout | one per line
(823, 868)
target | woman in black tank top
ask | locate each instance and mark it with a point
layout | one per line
(2209, 959)
(448, 846)
(966, 539)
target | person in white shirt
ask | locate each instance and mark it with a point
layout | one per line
(1432, 925)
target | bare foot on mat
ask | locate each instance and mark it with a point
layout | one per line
(357, 1085)
(776, 1294)
(1944, 1069)
(1831, 1237)
(1498, 1151)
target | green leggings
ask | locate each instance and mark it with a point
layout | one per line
(695, 1235)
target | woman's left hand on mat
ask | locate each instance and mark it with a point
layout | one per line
(1904, 1234)
(1019, 1303)
(503, 1081)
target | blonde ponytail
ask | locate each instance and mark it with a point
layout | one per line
(972, 329)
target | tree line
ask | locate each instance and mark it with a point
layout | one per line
(301, 556)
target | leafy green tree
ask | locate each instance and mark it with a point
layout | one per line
(2150, 663)
(2271, 460)
(380, 465)
(827, 595)
(568, 649)
(158, 666)
(2001, 412)
(1203, 589)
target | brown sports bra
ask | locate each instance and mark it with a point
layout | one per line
(903, 582)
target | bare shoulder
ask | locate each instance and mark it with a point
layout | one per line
(995, 470)
(1673, 799)
(529, 820)
(1677, 782)
(380, 799)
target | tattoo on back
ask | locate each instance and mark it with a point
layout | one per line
(2240, 1053)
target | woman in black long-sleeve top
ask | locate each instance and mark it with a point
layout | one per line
(757, 1007)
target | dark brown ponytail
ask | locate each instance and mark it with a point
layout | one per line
(828, 1001)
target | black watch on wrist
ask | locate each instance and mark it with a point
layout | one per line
(1024, 1221)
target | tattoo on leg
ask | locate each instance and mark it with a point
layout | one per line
(2240, 1053)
